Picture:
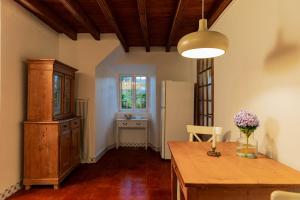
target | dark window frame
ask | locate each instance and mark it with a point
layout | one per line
(204, 93)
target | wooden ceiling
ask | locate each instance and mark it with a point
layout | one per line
(136, 22)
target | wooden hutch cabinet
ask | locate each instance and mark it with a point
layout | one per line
(52, 130)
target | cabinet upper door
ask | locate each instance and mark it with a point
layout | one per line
(57, 95)
(68, 95)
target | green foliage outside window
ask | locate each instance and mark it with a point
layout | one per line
(128, 92)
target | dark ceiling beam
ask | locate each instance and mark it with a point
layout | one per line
(111, 20)
(76, 11)
(143, 21)
(179, 11)
(47, 16)
(216, 11)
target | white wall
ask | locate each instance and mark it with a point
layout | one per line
(86, 53)
(261, 73)
(22, 36)
(169, 66)
(0, 67)
(161, 66)
(108, 106)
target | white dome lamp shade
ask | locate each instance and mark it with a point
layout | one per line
(202, 43)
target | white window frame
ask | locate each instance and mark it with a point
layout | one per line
(133, 109)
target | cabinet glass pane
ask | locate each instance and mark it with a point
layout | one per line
(57, 94)
(67, 103)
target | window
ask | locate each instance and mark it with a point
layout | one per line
(204, 95)
(133, 92)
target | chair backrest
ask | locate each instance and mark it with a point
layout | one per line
(194, 131)
(281, 195)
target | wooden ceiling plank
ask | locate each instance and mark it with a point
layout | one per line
(216, 11)
(181, 4)
(111, 20)
(143, 21)
(47, 16)
(76, 11)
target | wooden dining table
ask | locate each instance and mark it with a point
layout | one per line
(228, 177)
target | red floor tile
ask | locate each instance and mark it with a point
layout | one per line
(124, 174)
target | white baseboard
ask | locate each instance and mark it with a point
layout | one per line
(154, 148)
(10, 191)
(157, 149)
(100, 154)
(131, 144)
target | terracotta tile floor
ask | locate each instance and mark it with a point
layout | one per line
(125, 174)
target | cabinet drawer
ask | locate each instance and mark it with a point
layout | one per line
(75, 123)
(132, 123)
(141, 123)
(122, 123)
(65, 126)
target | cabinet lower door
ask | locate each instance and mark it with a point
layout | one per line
(65, 151)
(75, 145)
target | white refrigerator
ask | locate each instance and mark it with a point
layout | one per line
(177, 111)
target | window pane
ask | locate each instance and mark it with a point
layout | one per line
(141, 92)
(126, 92)
(209, 97)
(209, 108)
(208, 76)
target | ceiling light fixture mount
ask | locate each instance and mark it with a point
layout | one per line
(202, 43)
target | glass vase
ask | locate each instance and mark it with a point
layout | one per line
(247, 146)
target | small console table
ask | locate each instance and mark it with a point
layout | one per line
(132, 123)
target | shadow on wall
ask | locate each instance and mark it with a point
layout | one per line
(226, 136)
(83, 79)
(283, 57)
(24, 101)
(270, 138)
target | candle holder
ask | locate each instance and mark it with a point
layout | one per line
(213, 152)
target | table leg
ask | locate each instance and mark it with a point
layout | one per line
(146, 138)
(173, 184)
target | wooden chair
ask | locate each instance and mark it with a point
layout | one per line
(194, 131)
(281, 195)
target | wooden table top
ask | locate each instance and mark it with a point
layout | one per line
(198, 169)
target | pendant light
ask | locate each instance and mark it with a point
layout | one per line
(202, 43)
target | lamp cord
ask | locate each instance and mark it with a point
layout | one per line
(202, 9)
